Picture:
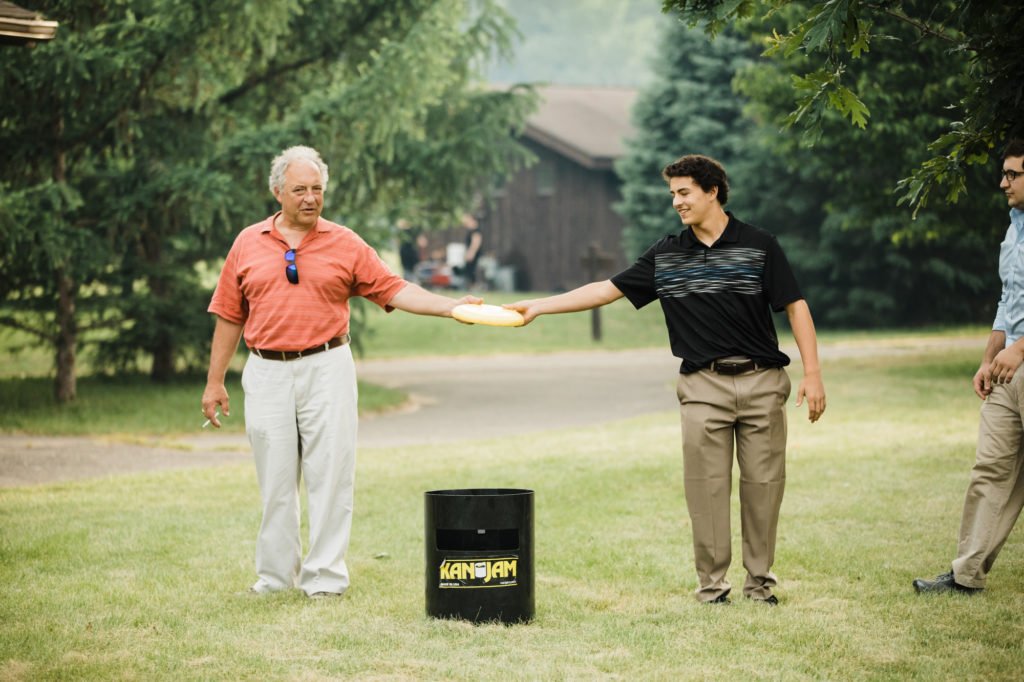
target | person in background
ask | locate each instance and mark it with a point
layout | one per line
(411, 245)
(474, 242)
(285, 287)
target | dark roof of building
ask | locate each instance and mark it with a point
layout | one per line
(19, 25)
(586, 124)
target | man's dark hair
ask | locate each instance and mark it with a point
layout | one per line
(1014, 147)
(704, 170)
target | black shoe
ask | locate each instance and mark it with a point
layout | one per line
(771, 600)
(720, 599)
(943, 583)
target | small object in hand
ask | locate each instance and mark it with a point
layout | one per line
(483, 313)
(208, 421)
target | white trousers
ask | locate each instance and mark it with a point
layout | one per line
(301, 419)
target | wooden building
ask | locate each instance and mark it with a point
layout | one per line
(538, 228)
(19, 26)
(544, 220)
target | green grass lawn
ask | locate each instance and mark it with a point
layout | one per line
(143, 577)
(133, 405)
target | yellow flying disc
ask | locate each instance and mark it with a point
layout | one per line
(483, 313)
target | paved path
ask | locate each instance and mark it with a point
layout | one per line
(453, 399)
(473, 398)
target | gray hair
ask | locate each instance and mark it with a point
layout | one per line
(298, 153)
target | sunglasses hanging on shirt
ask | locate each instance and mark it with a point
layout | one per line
(290, 270)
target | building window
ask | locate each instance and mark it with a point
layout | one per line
(544, 177)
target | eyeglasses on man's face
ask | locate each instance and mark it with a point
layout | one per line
(1011, 175)
(290, 270)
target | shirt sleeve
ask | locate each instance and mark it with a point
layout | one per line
(779, 280)
(999, 324)
(374, 279)
(637, 281)
(1006, 249)
(228, 301)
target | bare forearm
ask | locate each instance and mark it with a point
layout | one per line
(215, 396)
(417, 300)
(225, 340)
(811, 387)
(996, 343)
(585, 297)
(802, 324)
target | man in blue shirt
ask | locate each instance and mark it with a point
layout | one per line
(995, 494)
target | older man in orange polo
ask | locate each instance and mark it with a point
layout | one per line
(285, 287)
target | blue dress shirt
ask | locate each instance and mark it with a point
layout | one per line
(1010, 313)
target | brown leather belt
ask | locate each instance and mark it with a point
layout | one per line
(732, 368)
(296, 354)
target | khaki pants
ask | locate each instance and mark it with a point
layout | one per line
(301, 420)
(718, 411)
(995, 494)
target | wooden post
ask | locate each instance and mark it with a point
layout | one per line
(595, 261)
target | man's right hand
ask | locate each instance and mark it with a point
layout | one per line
(216, 397)
(525, 308)
(1005, 364)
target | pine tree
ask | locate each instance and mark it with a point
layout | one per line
(861, 258)
(138, 145)
(689, 108)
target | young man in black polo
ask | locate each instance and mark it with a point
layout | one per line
(718, 281)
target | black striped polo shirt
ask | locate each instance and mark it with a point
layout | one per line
(717, 300)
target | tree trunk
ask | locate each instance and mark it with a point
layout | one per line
(65, 387)
(66, 383)
(163, 348)
(161, 291)
(163, 362)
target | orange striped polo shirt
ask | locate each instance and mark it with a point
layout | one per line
(334, 264)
